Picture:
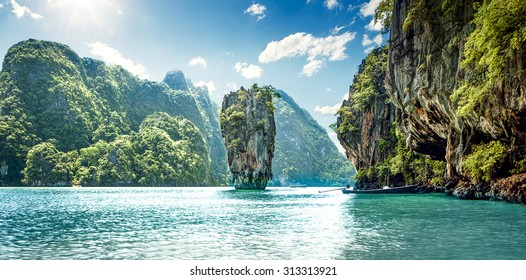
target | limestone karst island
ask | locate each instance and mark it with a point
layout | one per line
(263, 130)
(249, 130)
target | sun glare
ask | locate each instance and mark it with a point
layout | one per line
(86, 14)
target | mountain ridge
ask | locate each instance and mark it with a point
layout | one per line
(89, 115)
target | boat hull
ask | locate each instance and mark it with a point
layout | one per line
(404, 189)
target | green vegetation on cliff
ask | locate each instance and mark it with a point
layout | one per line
(484, 161)
(403, 166)
(368, 131)
(166, 151)
(499, 34)
(78, 120)
(249, 130)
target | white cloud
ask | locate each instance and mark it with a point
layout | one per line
(248, 71)
(369, 49)
(366, 41)
(328, 110)
(113, 56)
(198, 61)
(377, 40)
(331, 4)
(337, 29)
(210, 85)
(369, 8)
(21, 11)
(231, 86)
(352, 8)
(312, 67)
(120, 13)
(328, 89)
(1, 5)
(330, 48)
(372, 26)
(256, 10)
(304, 44)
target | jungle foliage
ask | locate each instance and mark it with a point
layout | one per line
(77, 120)
(499, 33)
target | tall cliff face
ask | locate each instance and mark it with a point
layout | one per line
(176, 80)
(473, 117)
(366, 117)
(299, 138)
(367, 129)
(423, 72)
(249, 130)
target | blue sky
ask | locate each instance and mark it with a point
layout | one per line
(309, 48)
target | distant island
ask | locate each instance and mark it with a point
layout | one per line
(249, 130)
(67, 120)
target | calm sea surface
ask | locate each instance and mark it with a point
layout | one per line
(279, 223)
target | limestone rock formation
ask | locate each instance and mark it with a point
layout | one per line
(366, 118)
(249, 130)
(428, 43)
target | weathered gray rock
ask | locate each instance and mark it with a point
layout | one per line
(424, 70)
(249, 130)
(176, 80)
(370, 141)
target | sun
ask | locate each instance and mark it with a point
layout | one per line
(86, 14)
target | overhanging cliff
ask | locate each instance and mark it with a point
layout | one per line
(456, 72)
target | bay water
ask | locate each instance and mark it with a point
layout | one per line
(278, 223)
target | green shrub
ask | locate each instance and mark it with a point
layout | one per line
(500, 32)
(485, 159)
(519, 166)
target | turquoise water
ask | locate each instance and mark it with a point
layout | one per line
(280, 223)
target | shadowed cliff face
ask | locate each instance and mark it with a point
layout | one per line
(367, 129)
(366, 118)
(248, 127)
(425, 70)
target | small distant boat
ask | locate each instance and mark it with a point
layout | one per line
(404, 189)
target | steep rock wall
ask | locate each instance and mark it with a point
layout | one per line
(249, 130)
(425, 69)
(366, 118)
